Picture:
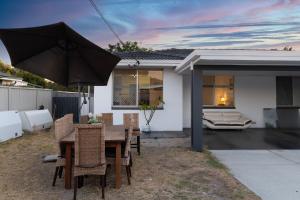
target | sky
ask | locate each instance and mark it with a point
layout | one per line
(160, 24)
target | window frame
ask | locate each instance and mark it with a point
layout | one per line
(134, 107)
(214, 86)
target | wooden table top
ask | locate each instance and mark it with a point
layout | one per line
(115, 133)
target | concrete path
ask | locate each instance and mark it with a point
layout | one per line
(271, 174)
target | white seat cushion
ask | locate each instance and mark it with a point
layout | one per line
(226, 120)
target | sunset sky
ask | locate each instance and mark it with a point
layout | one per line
(166, 23)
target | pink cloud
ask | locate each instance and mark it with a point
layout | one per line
(280, 4)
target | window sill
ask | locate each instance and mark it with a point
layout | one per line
(130, 108)
(218, 107)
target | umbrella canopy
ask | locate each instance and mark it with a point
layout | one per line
(58, 53)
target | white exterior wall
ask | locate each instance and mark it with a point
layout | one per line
(168, 119)
(252, 95)
(187, 89)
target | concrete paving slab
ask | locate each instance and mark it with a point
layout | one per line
(292, 155)
(259, 157)
(273, 175)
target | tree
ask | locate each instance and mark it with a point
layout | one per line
(32, 78)
(127, 46)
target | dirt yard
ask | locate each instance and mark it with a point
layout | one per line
(161, 172)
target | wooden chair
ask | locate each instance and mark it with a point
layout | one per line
(69, 125)
(133, 119)
(63, 127)
(107, 119)
(126, 155)
(84, 119)
(89, 153)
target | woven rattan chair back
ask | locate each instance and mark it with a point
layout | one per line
(63, 127)
(59, 132)
(131, 119)
(69, 125)
(84, 119)
(107, 119)
(59, 129)
(89, 145)
(128, 142)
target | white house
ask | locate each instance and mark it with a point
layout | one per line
(248, 81)
(9, 80)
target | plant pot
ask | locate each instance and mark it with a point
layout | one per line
(147, 129)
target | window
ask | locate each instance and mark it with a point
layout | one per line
(218, 91)
(284, 91)
(125, 85)
(288, 91)
(133, 87)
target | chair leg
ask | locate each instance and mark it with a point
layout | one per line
(75, 187)
(60, 171)
(102, 182)
(130, 161)
(55, 176)
(80, 181)
(105, 180)
(138, 145)
(128, 175)
(129, 171)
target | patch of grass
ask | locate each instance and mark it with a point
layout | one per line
(239, 194)
(180, 196)
(159, 173)
(185, 184)
(6, 143)
(213, 161)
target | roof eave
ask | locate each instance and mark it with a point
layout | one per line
(149, 63)
(239, 57)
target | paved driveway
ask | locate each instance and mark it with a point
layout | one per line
(271, 174)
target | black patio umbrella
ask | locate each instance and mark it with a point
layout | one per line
(58, 53)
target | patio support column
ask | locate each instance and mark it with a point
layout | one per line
(196, 108)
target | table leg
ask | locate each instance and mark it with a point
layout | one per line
(118, 166)
(68, 167)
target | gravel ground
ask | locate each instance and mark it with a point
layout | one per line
(167, 169)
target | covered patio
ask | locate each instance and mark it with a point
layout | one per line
(249, 139)
(252, 139)
(256, 75)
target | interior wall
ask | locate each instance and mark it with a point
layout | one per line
(253, 94)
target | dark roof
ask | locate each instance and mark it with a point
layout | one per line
(183, 53)
(167, 54)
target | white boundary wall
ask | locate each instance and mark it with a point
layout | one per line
(21, 98)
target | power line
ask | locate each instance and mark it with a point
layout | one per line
(105, 21)
(111, 29)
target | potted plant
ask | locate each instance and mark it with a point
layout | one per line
(148, 111)
(93, 119)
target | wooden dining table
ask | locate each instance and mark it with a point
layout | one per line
(114, 137)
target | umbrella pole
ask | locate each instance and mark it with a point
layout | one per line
(79, 104)
(89, 91)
